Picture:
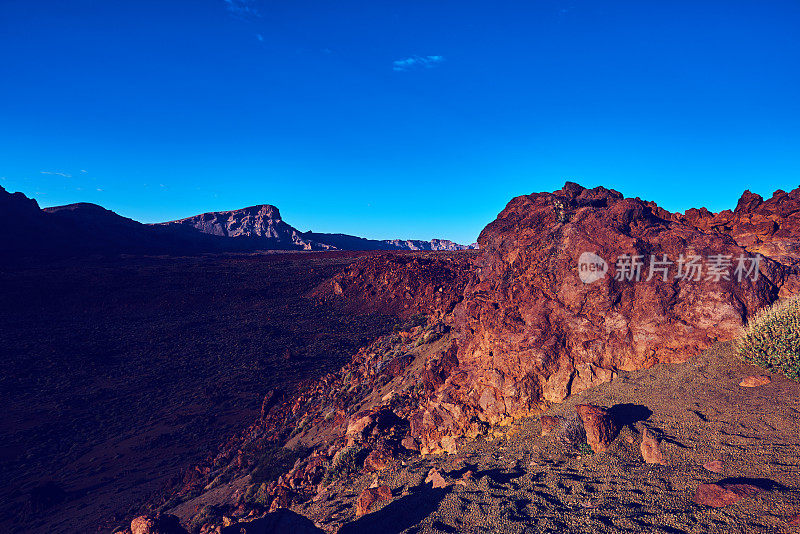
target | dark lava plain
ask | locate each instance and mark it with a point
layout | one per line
(116, 374)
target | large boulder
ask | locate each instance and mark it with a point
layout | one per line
(534, 327)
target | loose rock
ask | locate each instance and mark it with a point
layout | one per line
(755, 381)
(371, 496)
(601, 429)
(715, 466)
(651, 452)
(719, 495)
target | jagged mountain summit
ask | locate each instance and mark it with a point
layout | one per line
(262, 225)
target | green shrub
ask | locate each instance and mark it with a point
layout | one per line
(274, 462)
(348, 461)
(772, 338)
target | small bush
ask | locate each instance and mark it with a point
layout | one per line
(772, 338)
(346, 462)
(274, 462)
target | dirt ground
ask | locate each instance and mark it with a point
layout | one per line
(523, 482)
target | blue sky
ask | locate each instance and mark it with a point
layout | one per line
(394, 118)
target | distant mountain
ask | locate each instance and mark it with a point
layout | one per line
(83, 228)
(257, 227)
(262, 226)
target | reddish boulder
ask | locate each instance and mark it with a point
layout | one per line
(755, 381)
(378, 460)
(719, 495)
(651, 450)
(601, 429)
(715, 466)
(371, 496)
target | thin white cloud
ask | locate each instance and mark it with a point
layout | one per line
(64, 174)
(416, 62)
(242, 8)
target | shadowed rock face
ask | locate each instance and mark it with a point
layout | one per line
(531, 330)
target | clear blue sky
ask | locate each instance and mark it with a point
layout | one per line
(395, 118)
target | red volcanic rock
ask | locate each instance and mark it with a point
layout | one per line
(715, 466)
(549, 423)
(370, 496)
(402, 284)
(159, 524)
(601, 429)
(651, 451)
(719, 495)
(755, 381)
(770, 228)
(378, 460)
(531, 329)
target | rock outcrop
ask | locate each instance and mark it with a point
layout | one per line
(767, 227)
(533, 327)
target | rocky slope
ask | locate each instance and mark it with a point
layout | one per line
(508, 333)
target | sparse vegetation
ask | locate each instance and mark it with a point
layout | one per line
(772, 338)
(274, 462)
(346, 462)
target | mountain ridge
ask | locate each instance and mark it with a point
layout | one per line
(85, 228)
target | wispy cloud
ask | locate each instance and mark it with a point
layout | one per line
(65, 175)
(242, 8)
(416, 62)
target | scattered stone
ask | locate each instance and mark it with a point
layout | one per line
(755, 381)
(719, 495)
(159, 524)
(449, 444)
(715, 466)
(549, 423)
(601, 429)
(378, 460)
(651, 452)
(409, 443)
(370, 496)
(436, 479)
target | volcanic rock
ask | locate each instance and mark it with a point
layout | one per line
(715, 466)
(529, 329)
(651, 451)
(371, 496)
(159, 524)
(755, 381)
(719, 495)
(436, 479)
(601, 429)
(378, 460)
